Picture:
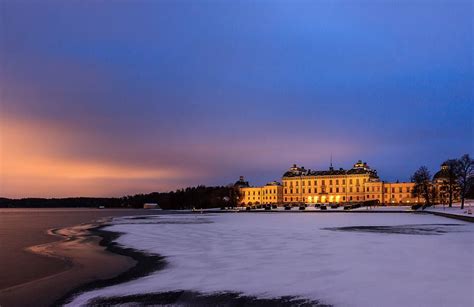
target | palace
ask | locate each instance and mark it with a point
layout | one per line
(300, 185)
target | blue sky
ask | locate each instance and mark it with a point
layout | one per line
(120, 97)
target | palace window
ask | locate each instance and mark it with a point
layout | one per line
(357, 181)
(315, 182)
(286, 191)
(337, 189)
(297, 183)
(303, 190)
(357, 189)
(350, 182)
(302, 183)
(330, 190)
(350, 190)
(344, 181)
(309, 190)
(337, 181)
(322, 182)
(330, 181)
(309, 182)
(297, 190)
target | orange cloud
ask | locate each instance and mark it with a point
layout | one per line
(32, 164)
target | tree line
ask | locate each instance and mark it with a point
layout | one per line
(188, 198)
(457, 182)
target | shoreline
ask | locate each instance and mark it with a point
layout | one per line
(92, 243)
(85, 261)
(144, 264)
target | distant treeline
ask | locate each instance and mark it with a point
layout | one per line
(193, 197)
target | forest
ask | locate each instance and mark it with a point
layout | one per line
(188, 198)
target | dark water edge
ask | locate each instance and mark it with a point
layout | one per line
(190, 298)
(145, 265)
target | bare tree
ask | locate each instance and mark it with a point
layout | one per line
(423, 185)
(465, 176)
(235, 195)
(449, 184)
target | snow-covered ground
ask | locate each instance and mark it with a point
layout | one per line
(456, 208)
(412, 260)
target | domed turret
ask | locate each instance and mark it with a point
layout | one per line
(443, 174)
(241, 183)
(294, 171)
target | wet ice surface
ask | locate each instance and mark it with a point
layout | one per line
(336, 259)
(417, 229)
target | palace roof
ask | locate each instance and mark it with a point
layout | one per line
(359, 168)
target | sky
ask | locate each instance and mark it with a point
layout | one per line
(109, 98)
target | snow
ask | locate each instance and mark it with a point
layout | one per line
(273, 255)
(455, 209)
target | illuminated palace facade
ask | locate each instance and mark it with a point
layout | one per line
(300, 185)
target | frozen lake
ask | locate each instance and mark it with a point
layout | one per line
(337, 259)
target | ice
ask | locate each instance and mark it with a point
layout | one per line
(305, 255)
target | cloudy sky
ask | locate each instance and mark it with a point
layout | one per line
(107, 98)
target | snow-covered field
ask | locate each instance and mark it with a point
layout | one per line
(456, 208)
(412, 260)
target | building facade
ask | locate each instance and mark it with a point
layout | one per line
(271, 193)
(358, 184)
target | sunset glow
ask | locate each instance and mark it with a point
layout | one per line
(127, 103)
